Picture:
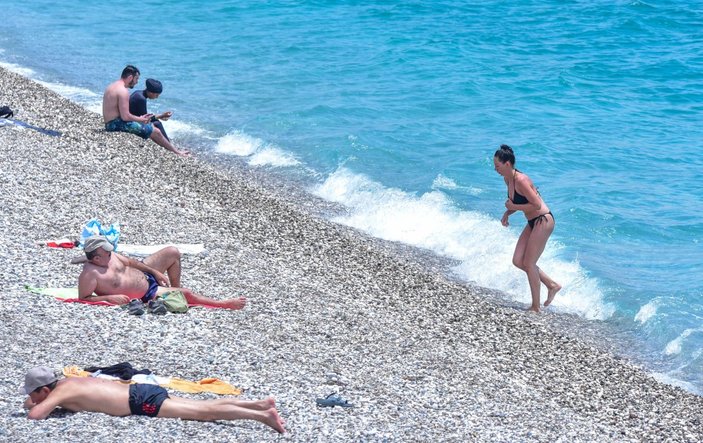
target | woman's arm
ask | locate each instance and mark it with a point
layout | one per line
(523, 185)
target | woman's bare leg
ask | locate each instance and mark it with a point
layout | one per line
(519, 261)
(535, 246)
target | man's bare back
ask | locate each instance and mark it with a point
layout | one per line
(115, 92)
(85, 394)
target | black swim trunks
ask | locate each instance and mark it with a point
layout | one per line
(146, 399)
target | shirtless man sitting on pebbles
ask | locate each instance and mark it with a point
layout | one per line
(46, 392)
(118, 279)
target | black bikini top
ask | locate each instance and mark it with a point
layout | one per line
(518, 199)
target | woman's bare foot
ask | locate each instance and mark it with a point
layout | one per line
(235, 303)
(274, 420)
(551, 293)
(533, 309)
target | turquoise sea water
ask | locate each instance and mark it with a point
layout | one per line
(395, 110)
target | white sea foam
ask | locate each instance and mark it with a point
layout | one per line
(674, 346)
(481, 244)
(442, 182)
(259, 153)
(176, 127)
(270, 156)
(85, 97)
(647, 311)
(671, 380)
(21, 70)
(238, 143)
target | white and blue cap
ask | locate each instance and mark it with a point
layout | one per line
(36, 378)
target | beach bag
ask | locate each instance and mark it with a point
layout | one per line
(175, 301)
(94, 227)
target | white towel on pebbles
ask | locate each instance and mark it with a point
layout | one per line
(144, 250)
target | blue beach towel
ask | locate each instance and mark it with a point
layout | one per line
(12, 121)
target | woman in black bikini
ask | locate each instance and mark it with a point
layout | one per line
(523, 196)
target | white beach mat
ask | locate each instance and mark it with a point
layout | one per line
(144, 250)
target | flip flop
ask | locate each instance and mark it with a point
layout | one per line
(333, 400)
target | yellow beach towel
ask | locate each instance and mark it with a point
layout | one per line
(213, 385)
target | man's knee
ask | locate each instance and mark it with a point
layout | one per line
(156, 133)
(173, 252)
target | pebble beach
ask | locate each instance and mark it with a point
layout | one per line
(420, 356)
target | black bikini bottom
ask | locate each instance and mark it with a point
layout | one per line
(540, 219)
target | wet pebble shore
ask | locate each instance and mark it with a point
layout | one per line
(422, 358)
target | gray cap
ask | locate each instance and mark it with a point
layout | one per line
(91, 244)
(37, 377)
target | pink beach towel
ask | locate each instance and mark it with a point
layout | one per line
(70, 295)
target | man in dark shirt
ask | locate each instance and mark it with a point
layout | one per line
(137, 103)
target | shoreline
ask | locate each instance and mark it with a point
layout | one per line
(330, 309)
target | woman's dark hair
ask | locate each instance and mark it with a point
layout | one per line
(51, 386)
(505, 154)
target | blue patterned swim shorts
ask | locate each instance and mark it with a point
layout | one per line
(136, 128)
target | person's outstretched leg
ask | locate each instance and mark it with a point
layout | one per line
(211, 410)
(160, 140)
(256, 405)
(196, 299)
(167, 261)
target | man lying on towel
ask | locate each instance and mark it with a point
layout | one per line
(46, 392)
(118, 279)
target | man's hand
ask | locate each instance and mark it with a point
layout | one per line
(161, 279)
(166, 115)
(117, 299)
(28, 403)
(146, 118)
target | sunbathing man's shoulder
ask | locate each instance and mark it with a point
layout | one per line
(89, 268)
